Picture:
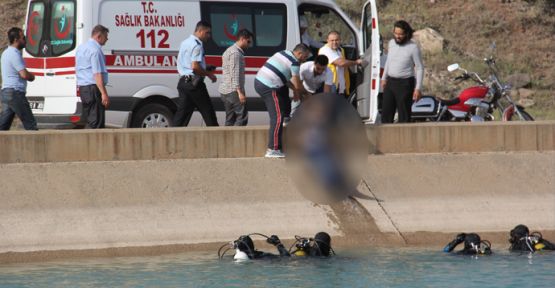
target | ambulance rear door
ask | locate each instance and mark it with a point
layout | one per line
(367, 92)
(49, 54)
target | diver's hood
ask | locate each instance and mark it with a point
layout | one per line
(323, 243)
(471, 238)
(245, 244)
(519, 231)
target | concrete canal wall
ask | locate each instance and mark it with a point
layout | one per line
(130, 192)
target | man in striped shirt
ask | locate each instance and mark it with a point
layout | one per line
(232, 89)
(272, 84)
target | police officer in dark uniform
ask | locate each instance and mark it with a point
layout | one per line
(192, 70)
(92, 78)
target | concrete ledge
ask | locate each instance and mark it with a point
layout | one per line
(131, 144)
(234, 142)
(462, 137)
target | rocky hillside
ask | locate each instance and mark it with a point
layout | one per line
(523, 31)
(12, 13)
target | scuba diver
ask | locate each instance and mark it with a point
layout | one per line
(320, 245)
(473, 245)
(244, 248)
(522, 240)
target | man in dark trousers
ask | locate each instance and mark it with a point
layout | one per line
(402, 76)
(92, 77)
(14, 84)
(232, 87)
(272, 84)
(192, 70)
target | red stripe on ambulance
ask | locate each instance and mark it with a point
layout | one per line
(134, 61)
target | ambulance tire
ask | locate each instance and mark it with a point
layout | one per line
(152, 115)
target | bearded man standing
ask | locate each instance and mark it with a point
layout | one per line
(403, 74)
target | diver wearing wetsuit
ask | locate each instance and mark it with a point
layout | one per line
(319, 246)
(522, 240)
(473, 245)
(245, 246)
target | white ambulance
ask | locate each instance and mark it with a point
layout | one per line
(144, 39)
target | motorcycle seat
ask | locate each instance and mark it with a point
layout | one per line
(449, 102)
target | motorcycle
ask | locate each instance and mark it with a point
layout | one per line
(475, 104)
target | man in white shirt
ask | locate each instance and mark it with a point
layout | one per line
(316, 78)
(338, 64)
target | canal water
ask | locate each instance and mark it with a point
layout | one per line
(380, 267)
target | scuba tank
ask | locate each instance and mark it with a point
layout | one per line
(317, 246)
(302, 245)
(533, 241)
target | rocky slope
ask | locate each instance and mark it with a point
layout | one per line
(12, 13)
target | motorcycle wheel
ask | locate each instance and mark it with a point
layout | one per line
(525, 116)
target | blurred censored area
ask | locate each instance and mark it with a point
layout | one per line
(327, 149)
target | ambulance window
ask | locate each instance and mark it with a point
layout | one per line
(267, 22)
(226, 21)
(62, 27)
(367, 24)
(331, 21)
(323, 20)
(35, 23)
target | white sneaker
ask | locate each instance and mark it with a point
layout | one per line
(286, 121)
(270, 153)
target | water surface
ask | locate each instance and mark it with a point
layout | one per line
(406, 267)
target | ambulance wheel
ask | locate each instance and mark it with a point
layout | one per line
(152, 115)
